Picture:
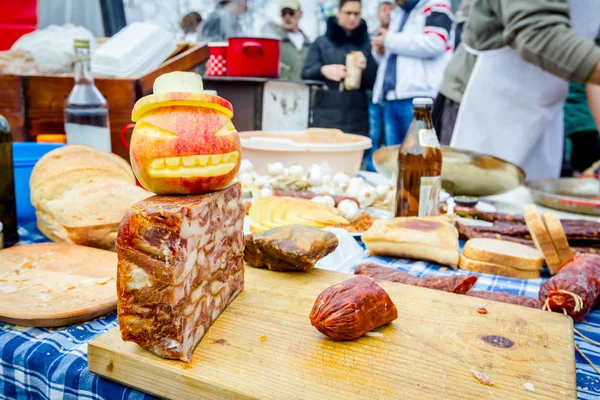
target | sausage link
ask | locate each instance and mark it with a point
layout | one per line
(506, 298)
(575, 288)
(458, 284)
(352, 308)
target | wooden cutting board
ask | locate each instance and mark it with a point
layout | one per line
(56, 284)
(263, 347)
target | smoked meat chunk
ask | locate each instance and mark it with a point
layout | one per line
(289, 248)
(180, 265)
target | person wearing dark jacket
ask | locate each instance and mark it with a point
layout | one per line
(326, 61)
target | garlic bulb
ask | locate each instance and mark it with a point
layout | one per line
(275, 169)
(367, 196)
(315, 178)
(245, 166)
(296, 170)
(327, 200)
(390, 198)
(349, 210)
(341, 179)
(262, 181)
(382, 190)
(246, 177)
(266, 192)
(316, 168)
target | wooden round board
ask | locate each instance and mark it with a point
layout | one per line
(56, 284)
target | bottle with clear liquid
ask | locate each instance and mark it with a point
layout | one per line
(86, 110)
(419, 165)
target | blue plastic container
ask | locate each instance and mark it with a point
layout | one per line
(25, 155)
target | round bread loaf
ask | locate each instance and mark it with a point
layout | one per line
(69, 166)
(80, 195)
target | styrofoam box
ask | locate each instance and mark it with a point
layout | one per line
(134, 50)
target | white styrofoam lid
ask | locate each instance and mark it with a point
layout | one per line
(132, 47)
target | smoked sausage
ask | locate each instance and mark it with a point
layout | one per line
(352, 308)
(524, 301)
(458, 284)
(575, 288)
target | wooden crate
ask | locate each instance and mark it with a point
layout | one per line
(35, 104)
(12, 105)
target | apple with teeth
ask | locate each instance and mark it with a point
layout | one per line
(184, 141)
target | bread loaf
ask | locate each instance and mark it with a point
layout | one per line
(557, 235)
(506, 253)
(422, 238)
(541, 238)
(80, 195)
(496, 269)
(69, 166)
(353, 77)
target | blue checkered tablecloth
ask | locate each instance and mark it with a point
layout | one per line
(52, 363)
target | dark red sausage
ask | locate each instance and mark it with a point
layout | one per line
(458, 284)
(352, 308)
(575, 288)
(310, 195)
(506, 298)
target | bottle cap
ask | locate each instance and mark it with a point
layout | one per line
(466, 201)
(82, 44)
(51, 138)
(422, 101)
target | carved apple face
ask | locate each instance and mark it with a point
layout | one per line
(185, 147)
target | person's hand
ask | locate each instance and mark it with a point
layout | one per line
(360, 60)
(378, 41)
(334, 72)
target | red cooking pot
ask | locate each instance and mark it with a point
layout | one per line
(253, 57)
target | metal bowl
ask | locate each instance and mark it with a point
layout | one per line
(464, 172)
(581, 196)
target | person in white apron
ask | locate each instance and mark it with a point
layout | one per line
(511, 108)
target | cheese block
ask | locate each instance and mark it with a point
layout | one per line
(502, 252)
(422, 238)
(541, 238)
(557, 235)
(495, 269)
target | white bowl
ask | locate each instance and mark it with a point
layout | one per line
(343, 152)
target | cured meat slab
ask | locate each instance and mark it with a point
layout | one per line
(264, 347)
(180, 265)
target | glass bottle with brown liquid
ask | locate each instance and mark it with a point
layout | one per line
(419, 165)
(8, 205)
